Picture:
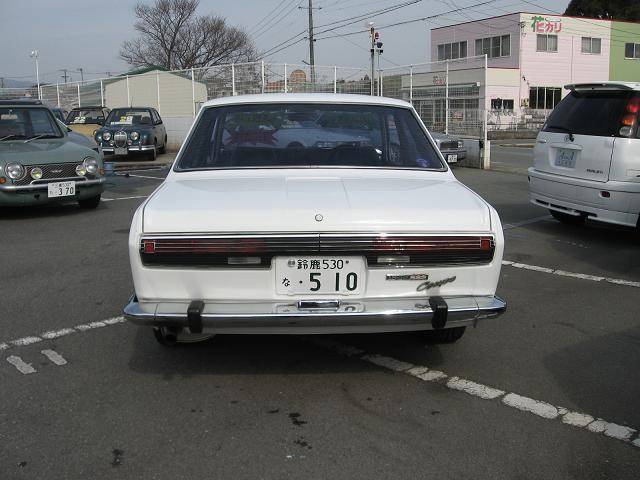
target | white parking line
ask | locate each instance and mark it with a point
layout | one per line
(24, 341)
(563, 273)
(513, 400)
(22, 366)
(124, 198)
(509, 226)
(139, 176)
(54, 356)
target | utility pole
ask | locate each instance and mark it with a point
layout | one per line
(34, 55)
(64, 74)
(81, 75)
(312, 61)
(373, 57)
(1, 82)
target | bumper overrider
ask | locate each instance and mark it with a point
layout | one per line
(317, 316)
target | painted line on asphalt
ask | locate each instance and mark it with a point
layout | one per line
(54, 356)
(513, 400)
(24, 341)
(563, 273)
(124, 198)
(509, 226)
(22, 366)
(139, 176)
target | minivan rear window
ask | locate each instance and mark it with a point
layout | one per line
(596, 113)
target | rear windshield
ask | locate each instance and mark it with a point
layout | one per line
(597, 113)
(87, 116)
(308, 135)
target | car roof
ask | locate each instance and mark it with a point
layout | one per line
(21, 102)
(88, 107)
(604, 86)
(329, 98)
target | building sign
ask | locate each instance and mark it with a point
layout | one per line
(546, 25)
(439, 80)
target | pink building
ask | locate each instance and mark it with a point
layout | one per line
(531, 57)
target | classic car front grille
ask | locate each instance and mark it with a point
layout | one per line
(50, 172)
(449, 145)
(379, 250)
(120, 139)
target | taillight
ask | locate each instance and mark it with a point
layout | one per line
(630, 118)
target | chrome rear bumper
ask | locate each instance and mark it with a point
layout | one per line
(357, 316)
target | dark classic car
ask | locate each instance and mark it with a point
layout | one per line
(133, 129)
(451, 147)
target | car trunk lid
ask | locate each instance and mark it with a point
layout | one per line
(303, 201)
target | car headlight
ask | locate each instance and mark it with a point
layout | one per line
(135, 136)
(91, 165)
(14, 171)
(81, 170)
(106, 136)
(460, 144)
(36, 173)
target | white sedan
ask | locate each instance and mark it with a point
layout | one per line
(365, 229)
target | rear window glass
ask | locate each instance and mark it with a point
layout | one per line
(85, 116)
(597, 113)
(308, 135)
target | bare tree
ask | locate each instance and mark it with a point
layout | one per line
(174, 36)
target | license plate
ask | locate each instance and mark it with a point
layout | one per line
(566, 158)
(319, 275)
(61, 189)
(121, 151)
(452, 158)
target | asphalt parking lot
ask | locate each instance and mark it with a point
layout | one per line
(548, 390)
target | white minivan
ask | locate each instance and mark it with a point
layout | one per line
(587, 156)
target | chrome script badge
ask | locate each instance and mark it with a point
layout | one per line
(411, 276)
(429, 285)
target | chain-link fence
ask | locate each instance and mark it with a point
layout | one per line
(449, 96)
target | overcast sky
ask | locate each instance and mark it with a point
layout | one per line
(88, 33)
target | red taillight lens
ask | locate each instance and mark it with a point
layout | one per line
(634, 105)
(149, 246)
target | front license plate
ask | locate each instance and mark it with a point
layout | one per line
(319, 275)
(452, 158)
(120, 151)
(566, 158)
(61, 189)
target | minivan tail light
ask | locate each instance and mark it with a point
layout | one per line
(630, 118)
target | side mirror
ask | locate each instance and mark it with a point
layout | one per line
(100, 121)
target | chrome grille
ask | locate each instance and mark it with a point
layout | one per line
(420, 249)
(50, 171)
(449, 145)
(120, 138)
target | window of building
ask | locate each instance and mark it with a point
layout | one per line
(544, 98)
(591, 45)
(547, 43)
(632, 50)
(494, 47)
(448, 51)
(501, 104)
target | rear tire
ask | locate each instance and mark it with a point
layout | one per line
(566, 218)
(446, 335)
(164, 147)
(89, 203)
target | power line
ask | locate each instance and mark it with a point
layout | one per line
(252, 29)
(270, 25)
